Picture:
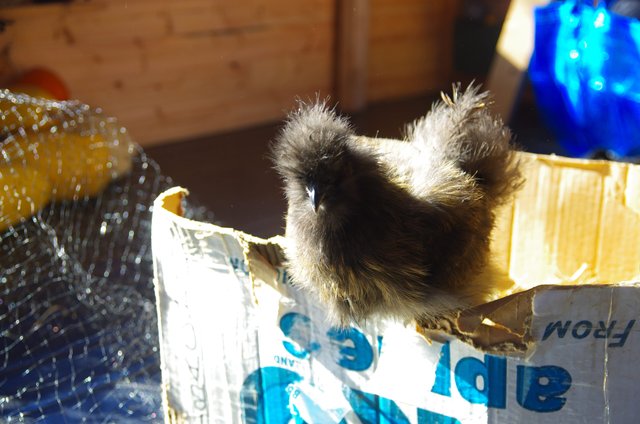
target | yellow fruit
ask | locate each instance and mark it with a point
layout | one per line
(76, 165)
(16, 113)
(23, 191)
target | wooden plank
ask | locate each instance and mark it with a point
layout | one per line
(175, 70)
(274, 86)
(352, 56)
(406, 68)
(411, 44)
(172, 70)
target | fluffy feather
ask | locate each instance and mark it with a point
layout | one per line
(394, 228)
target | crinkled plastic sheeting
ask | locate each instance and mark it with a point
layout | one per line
(584, 70)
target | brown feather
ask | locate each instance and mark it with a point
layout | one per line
(401, 228)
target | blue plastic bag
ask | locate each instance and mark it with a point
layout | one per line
(585, 71)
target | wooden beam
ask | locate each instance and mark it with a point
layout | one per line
(411, 45)
(352, 54)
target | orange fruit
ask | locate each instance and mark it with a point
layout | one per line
(41, 79)
(32, 90)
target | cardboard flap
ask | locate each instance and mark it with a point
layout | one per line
(575, 221)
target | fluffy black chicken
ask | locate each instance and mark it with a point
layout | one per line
(391, 228)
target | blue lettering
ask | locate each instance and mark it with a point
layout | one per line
(355, 350)
(539, 388)
(604, 332)
(622, 337)
(582, 329)
(283, 360)
(494, 375)
(297, 327)
(556, 326)
(581, 334)
(283, 276)
(373, 409)
(442, 385)
(358, 356)
(265, 396)
(239, 265)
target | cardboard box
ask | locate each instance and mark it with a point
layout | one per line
(240, 344)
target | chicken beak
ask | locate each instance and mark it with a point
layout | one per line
(314, 197)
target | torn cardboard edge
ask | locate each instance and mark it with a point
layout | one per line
(594, 198)
(508, 315)
(499, 326)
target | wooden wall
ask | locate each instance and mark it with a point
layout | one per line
(410, 47)
(172, 70)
